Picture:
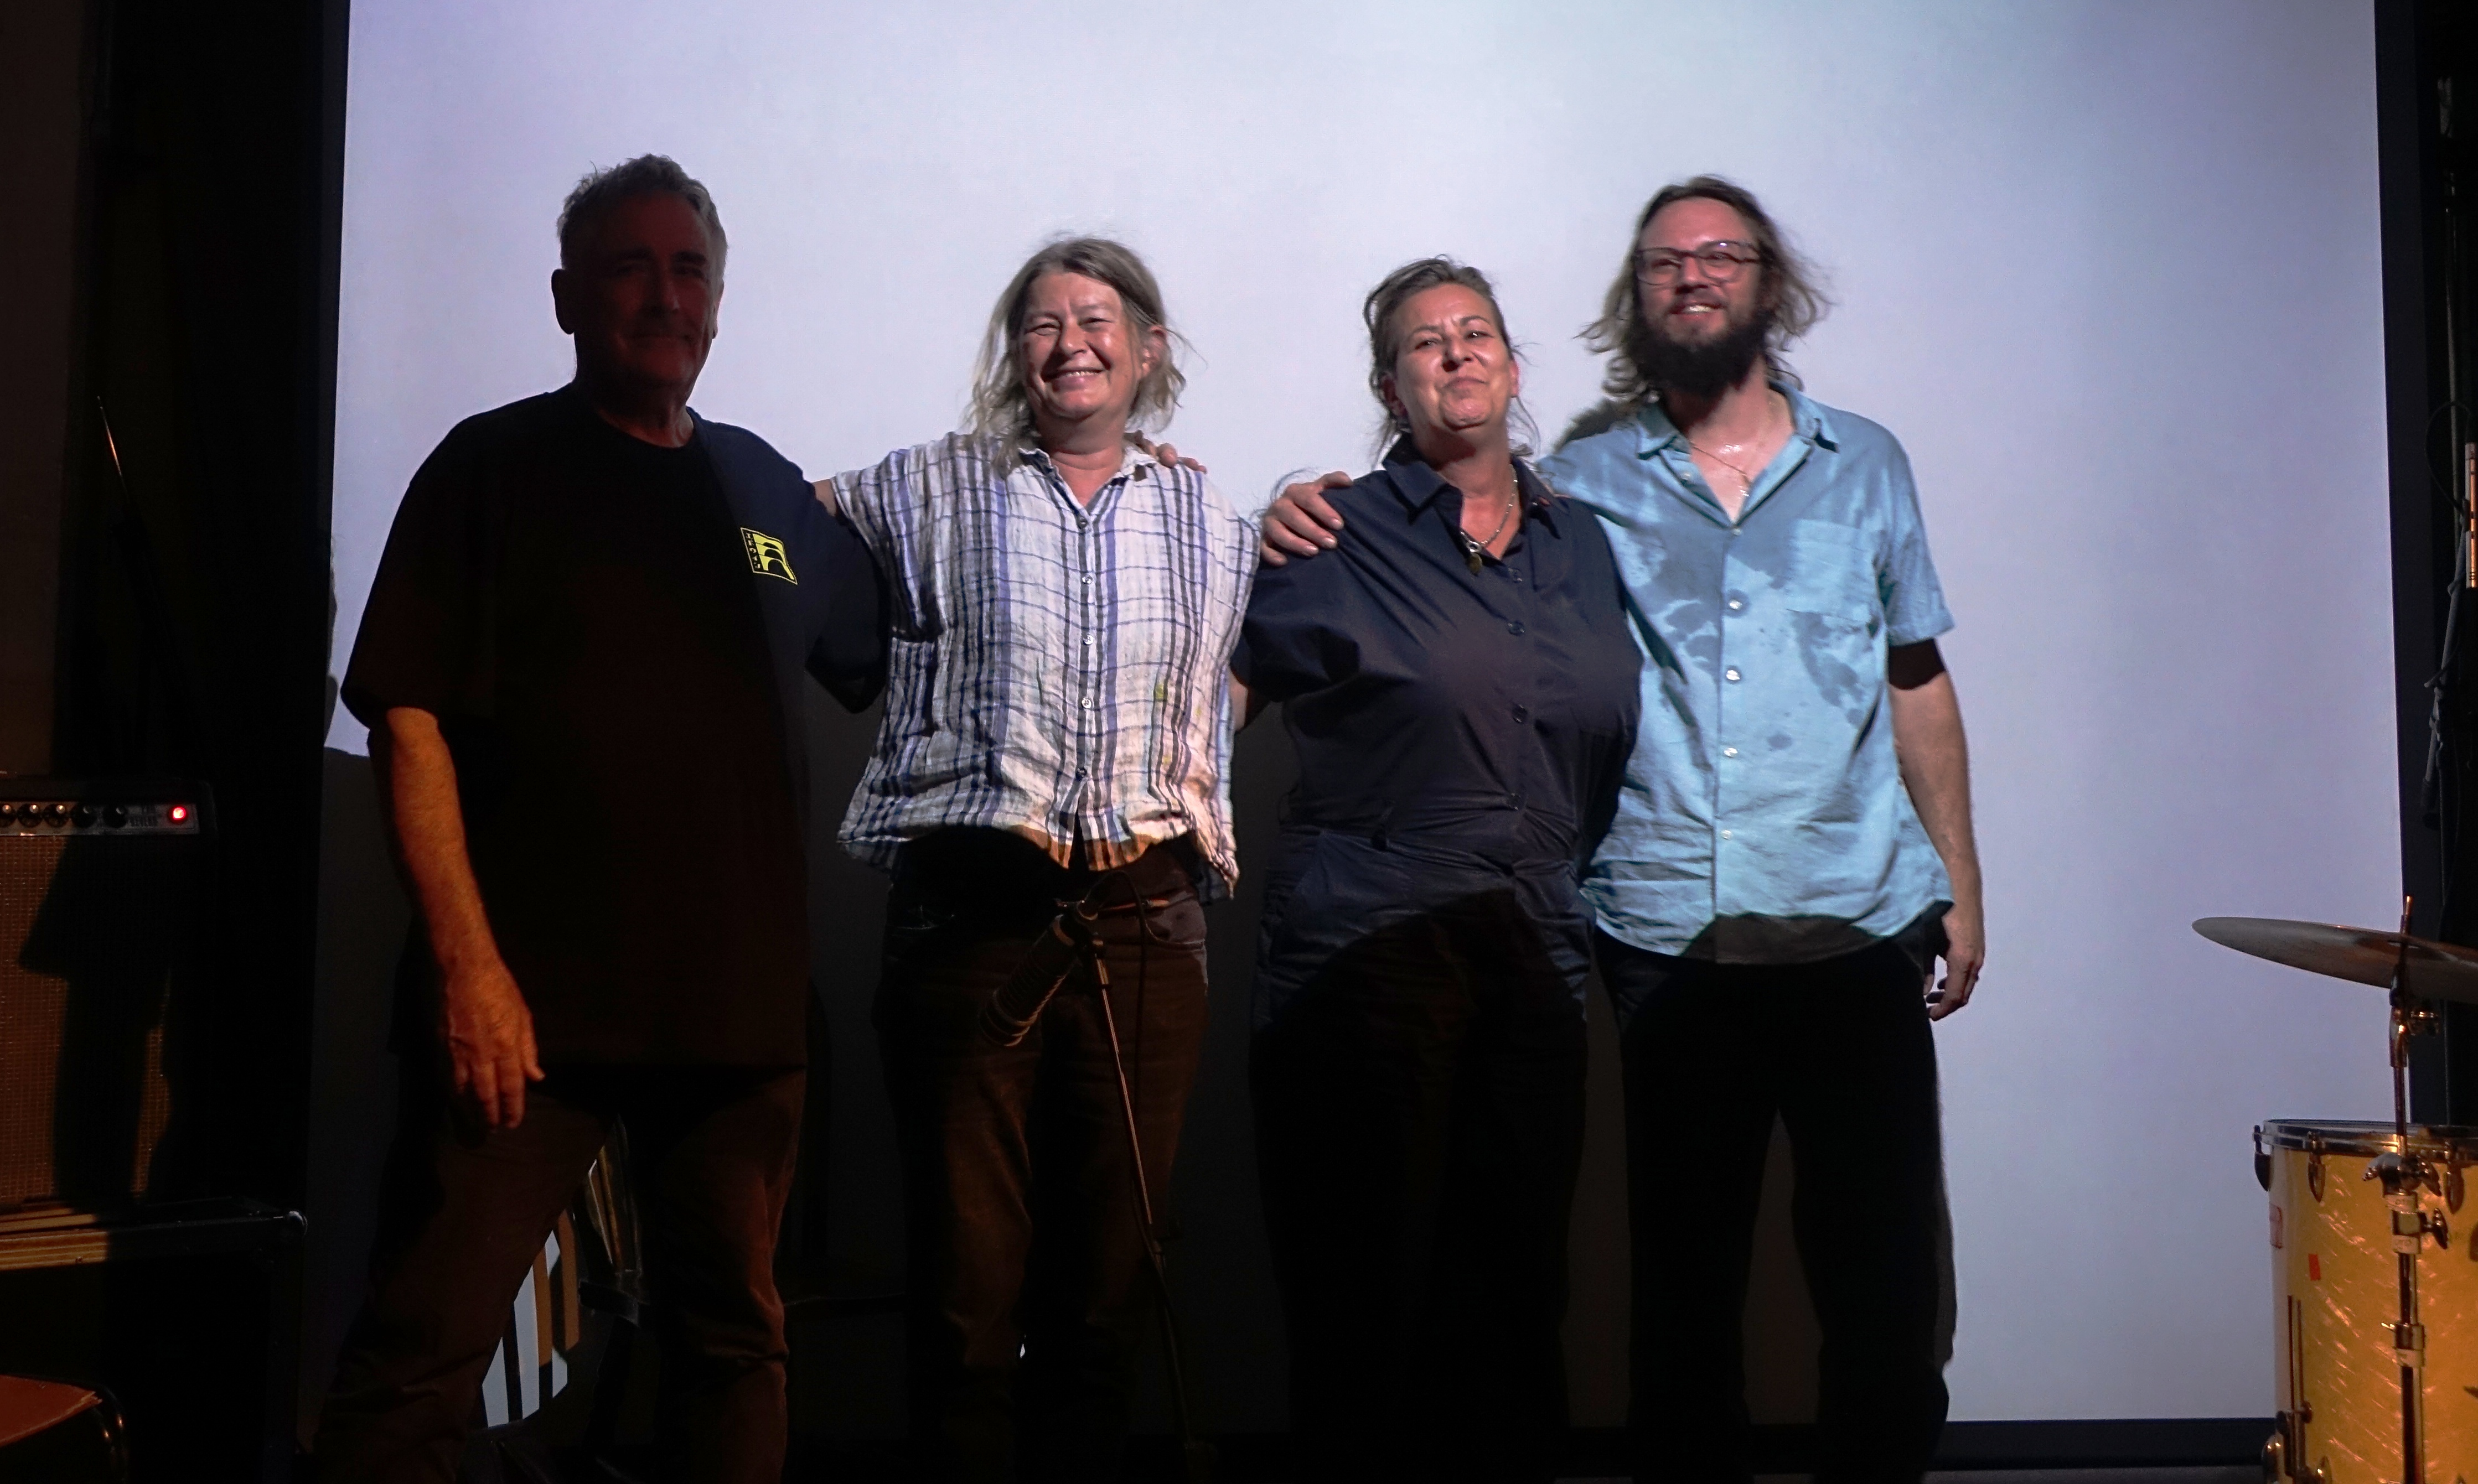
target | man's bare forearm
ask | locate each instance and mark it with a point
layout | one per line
(418, 779)
(1935, 756)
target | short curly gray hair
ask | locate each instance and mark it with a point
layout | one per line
(646, 175)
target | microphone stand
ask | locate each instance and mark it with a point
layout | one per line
(2402, 1172)
(1071, 940)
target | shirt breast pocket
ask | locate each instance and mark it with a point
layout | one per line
(1832, 573)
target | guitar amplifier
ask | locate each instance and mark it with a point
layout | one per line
(99, 886)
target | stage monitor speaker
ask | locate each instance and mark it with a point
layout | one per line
(98, 900)
(189, 1312)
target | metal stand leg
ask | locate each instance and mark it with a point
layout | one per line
(1197, 1454)
(2402, 1172)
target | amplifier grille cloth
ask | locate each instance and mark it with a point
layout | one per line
(90, 931)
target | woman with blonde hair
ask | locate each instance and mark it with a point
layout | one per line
(1057, 725)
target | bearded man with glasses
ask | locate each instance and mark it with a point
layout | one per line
(1792, 849)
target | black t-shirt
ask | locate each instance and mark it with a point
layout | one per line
(609, 633)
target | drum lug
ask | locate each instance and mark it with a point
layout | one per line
(2402, 1178)
(2281, 1453)
(2261, 1160)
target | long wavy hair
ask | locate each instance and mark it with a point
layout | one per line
(1001, 407)
(1793, 291)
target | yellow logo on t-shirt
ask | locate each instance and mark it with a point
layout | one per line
(767, 557)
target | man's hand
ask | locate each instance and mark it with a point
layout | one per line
(1168, 453)
(1965, 952)
(1300, 522)
(1935, 758)
(489, 1037)
(482, 1017)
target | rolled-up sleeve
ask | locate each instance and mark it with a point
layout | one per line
(1913, 599)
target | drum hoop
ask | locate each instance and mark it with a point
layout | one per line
(2455, 1142)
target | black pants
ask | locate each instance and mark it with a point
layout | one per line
(1841, 1051)
(463, 1215)
(1029, 1294)
(1419, 1128)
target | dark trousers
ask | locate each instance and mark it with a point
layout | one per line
(465, 1213)
(1028, 1291)
(1419, 1128)
(1840, 1049)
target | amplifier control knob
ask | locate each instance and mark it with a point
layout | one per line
(115, 816)
(8, 814)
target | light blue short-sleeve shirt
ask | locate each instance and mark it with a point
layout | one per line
(1763, 818)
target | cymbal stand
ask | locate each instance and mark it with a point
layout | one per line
(2403, 1172)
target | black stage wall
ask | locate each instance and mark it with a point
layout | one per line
(2427, 97)
(172, 254)
(192, 600)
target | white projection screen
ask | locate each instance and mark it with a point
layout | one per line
(2109, 270)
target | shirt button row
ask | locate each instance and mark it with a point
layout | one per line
(1725, 834)
(1522, 713)
(1730, 674)
(1515, 629)
(1736, 603)
(1729, 752)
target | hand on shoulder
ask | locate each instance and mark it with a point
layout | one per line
(1302, 521)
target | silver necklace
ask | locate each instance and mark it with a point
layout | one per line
(1477, 551)
(1720, 455)
(1746, 484)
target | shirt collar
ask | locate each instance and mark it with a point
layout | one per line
(1807, 417)
(1133, 462)
(1417, 484)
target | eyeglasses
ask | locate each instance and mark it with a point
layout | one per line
(1721, 262)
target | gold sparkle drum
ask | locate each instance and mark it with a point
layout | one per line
(2335, 1295)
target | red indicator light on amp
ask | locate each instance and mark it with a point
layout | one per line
(179, 813)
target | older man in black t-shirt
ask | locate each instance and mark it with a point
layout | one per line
(580, 666)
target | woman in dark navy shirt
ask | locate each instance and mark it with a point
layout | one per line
(1459, 681)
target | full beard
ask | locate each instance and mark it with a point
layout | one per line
(1700, 369)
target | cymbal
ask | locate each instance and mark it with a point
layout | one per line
(2363, 955)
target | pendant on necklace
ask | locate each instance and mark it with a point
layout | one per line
(1470, 557)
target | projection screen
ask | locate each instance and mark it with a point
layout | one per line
(2109, 270)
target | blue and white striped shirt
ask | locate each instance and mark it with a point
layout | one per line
(1056, 669)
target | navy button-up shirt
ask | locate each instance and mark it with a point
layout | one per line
(1763, 818)
(1458, 731)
